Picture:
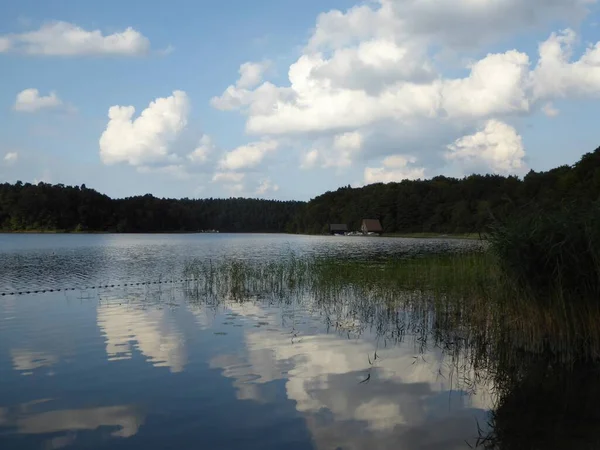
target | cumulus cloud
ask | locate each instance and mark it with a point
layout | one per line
(247, 156)
(251, 74)
(556, 77)
(238, 95)
(340, 151)
(497, 148)
(266, 186)
(146, 139)
(395, 168)
(11, 158)
(67, 39)
(373, 71)
(202, 152)
(30, 100)
(452, 23)
(496, 85)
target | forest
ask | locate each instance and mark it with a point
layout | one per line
(439, 205)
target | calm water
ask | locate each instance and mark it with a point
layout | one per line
(152, 367)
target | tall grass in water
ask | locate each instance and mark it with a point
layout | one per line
(540, 353)
(552, 256)
(467, 296)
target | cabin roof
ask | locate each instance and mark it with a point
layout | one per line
(338, 227)
(372, 225)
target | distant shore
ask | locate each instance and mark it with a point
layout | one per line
(471, 236)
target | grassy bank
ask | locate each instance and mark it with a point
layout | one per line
(475, 236)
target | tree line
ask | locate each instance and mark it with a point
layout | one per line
(449, 205)
(441, 204)
(46, 207)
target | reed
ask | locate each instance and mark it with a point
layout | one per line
(553, 256)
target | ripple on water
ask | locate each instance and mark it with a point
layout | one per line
(44, 261)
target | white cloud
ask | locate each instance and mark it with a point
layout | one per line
(496, 85)
(345, 148)
(251, 74)
(395, 168)
(147, 139)
(550, 110)
(497, 148)
(227, 177)
(201, 153)
(374, 64)
(374, 70)
(266, 186)
(238, 95)
(247, 156)
(452, 23)
(66, 39)
(11, 158)
(556, 77)
(29, 100)
(340, 151)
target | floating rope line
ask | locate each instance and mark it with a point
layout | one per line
(102, 286)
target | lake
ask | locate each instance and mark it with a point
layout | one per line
(116, 351)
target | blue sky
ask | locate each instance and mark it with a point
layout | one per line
(286, 100)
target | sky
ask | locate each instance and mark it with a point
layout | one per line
(286, 100)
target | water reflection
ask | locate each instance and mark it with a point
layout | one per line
(356, 392)
(341, 368)
(63, 425)
(41, 261)
(152, 332)
(26, 361)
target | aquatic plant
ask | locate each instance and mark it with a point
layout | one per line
(551, 255)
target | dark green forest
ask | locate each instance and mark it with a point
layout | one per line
(442, 205)
(46, 207)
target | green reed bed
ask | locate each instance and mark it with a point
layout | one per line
(537, 344)
(554, 256)
(465, 296)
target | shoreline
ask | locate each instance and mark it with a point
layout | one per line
(469, 236)
(466, 236)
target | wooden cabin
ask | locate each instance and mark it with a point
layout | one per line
(338, 228)
(371, 226)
